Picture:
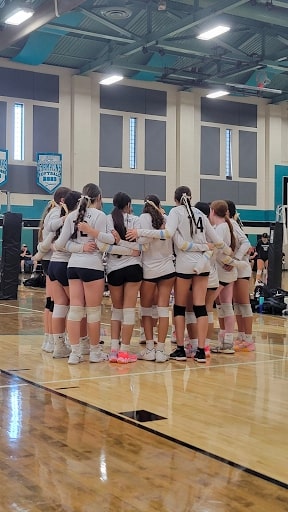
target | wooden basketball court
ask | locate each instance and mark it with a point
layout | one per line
(171, 437)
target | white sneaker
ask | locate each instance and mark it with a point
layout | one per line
(49, 345)
(161, 357)
(75, 358)
(173, 337)
(85, 346)
(60, 349)
(147, 355)
(98, 356)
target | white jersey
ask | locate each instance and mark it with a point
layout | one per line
(114, 261)
(178, 222)
(52, 222)
(241, 251)
(92, 260)
(157, 260)
(225, 276)
(45, 246)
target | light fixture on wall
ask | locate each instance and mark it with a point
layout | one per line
(213, 32)
(18, 16)
(217, 94)
(112, 79)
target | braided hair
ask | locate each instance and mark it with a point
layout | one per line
(120, 200)
(221, 210)
(60, 193)
(152, 206)
(89, 195)
(183, 196)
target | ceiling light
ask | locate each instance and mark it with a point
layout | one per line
(19, 16)
(214, 32)
(217, 94)
(253, 88)
(111, 79)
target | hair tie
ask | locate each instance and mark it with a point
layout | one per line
(88, 199)
(154, 206)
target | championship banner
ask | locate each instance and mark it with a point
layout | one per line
(49, 171)
(3, 166)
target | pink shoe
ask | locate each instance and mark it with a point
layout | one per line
(126, 357)
(207, 350)
(113, 356)
(245, 346)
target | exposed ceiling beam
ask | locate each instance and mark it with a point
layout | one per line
(261, 12)
(109, 25)
(193, 20)
(44, 14)
(64, 29)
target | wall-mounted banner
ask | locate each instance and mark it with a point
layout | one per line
(49, 171)
(3, 166)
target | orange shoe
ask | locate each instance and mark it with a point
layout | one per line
(245, 346)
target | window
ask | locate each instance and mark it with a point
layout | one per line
(18, 131)
(228, 154)
(132, 142)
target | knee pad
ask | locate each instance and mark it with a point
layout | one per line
(60, 311)
(163, 312)
(93, 314)
(76, 313)
(51, 309)
(219, 311)
(179, 310)
(200, 311)
(129, 316)
(154, 312)
(146, 312)
(246, 310)
(237, 309)
(117, 314)
(210, 317)
(48, 303)
(227, 309)
(190, 317)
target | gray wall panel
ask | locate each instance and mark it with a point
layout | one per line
(210, 150)
(16, 83)
(155, 145)
(3, 120)
(133, 99)
(156, 103)
(22, 180)
(111, 141)
(228, 112)
(45, 130)
(247, 193)
(239, 192)
(136, 185)
(247, 154)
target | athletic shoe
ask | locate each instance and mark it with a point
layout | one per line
(147, 355)
(179, 354)
(173, 337)
(61, 350)
(207, 350)
(245, 346)
(225, 348)
(97, 356)
(126, 357)
(200, 356)
(190, 350)
(85, 346)
(161, 357)
(75, 358)
(113, 356)
(48, 346)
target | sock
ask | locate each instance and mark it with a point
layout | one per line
(228, 338)
(95, 348)
(207, 342)
(149, 344)
(114, 344)
(160, 346)
(124, 348)
(248, 338)
(76, 349)
(241, 335)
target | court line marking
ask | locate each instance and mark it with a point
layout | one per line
(149, 429)
(21, 307)
(138, 374)
(14, 385)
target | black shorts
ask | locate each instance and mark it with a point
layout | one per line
(161, 278)
(85, 274)
(130, 274)
(45, 265)
(225, 284)
(57, 271)
(189, 276)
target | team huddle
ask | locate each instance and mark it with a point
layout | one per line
(199, 253)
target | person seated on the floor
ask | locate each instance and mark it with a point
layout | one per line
(26, 261)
